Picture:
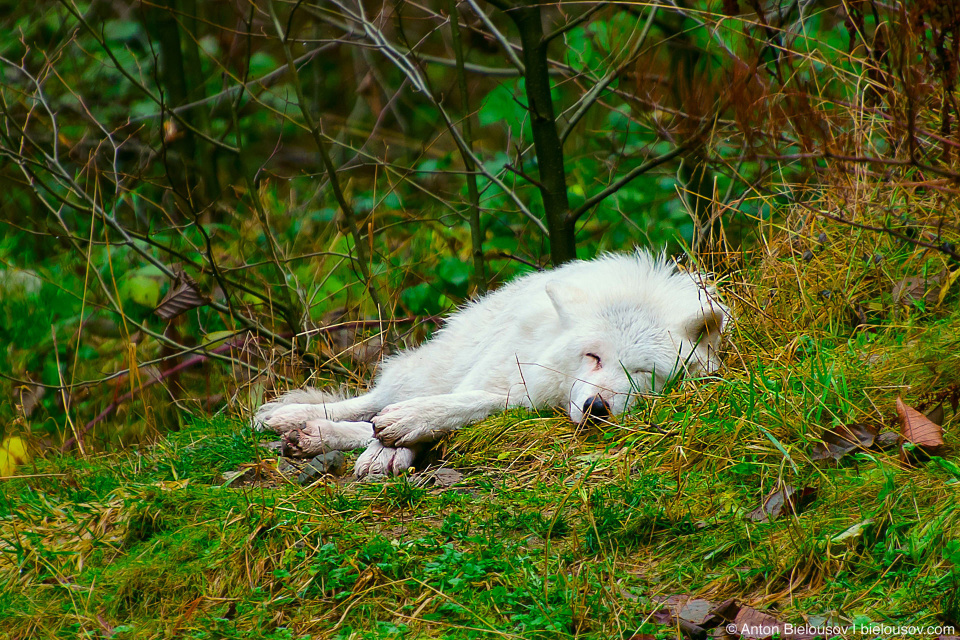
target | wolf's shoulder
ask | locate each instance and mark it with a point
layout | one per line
(639, 263)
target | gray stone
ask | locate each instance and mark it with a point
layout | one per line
(332, 463)
(442, 478)
(287, 468)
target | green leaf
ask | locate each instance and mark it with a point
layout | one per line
(215, 338)
(121, 29)
(501, 105)
(141, 289)
(947, 465)
(454, 271)
(261, 64)
(420, 299)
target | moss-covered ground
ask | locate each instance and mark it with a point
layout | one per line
(553, 531)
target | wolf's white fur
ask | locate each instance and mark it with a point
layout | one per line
(608, 328)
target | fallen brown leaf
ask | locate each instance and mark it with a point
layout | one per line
(888, 440)
(936, 415)
(918, 428)
(696, 616)
(662, 616)
(754, 624)
(841, 440)
(789, 496)
(684, 612)
(441, 478)
(916, 288)
(696, 610)
(724, 612)
(29, 396)
(182, 297)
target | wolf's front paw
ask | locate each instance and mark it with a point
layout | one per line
(383, 461)
(406, 424)
(263, 416)
(319, 436)
(303, 442)
(281, 418)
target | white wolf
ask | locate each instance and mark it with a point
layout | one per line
(587, 337)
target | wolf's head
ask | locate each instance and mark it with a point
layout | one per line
(629, 326)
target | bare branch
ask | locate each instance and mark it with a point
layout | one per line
(476, 230)
(499, 37)
(263, 81)
(576, 22)
(348, 217)
(413, 74)
(59, 173)
(591, 97)
(68, 4)
(615, 186)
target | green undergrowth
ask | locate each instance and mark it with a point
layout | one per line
(553, 531)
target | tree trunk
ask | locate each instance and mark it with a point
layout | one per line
(546, 140)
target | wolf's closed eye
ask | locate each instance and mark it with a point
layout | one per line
(595, 358)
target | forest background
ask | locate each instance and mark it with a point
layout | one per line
(203, 202)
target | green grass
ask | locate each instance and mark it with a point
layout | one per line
(554, 531)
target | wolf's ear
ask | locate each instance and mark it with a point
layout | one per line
(564, 298)
(705, 328)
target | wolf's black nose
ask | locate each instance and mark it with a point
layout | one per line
(596, 408)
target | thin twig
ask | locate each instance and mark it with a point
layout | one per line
(596, 90)
(347, 215)
(618, 184)
(499, 37)
(263, 82)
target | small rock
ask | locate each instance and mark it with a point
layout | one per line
(807, 255)
(236, 476)
(332, 463)
(287, 468)
(441, 478)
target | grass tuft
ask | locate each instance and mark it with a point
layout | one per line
(553, 531)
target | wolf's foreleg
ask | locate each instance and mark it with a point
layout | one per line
(426, 419)
(281, 417)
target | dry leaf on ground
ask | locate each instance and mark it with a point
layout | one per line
(916, 288)
(789, 496)
(841, 440)
(686, 613)
(751, 623)
(28, 396)
(441, 478)
(937, 414)
(696, 616)
(918, 428)
(888, 440)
